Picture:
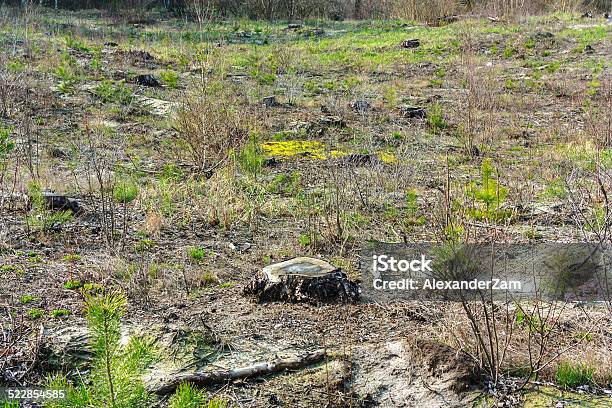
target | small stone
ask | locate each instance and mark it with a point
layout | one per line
(588, 49)
(412, 43)
(294, 26)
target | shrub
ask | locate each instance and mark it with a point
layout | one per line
(209, 128)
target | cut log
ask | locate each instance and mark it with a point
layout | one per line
(256, 370)
(303, 280)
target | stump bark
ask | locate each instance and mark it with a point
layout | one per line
(303, 280)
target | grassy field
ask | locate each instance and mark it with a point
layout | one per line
(200, 153)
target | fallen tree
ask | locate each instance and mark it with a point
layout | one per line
(256, 370)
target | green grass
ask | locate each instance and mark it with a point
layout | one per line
(572, 375)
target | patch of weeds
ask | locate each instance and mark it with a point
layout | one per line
(76, 44)
(7, 145)
(509, 85)
(144, 245)
(73, 284)
(304, 240)
(125, 191)
(188, 395)
(208, 279)
(16, 66)
(508, 52)
(412, 209)
(391, 97)
(71, 258)
(197, 254)
(92, 289)
(41, 218)
(35, 313)
(556, 189)
(170, 78)
(110, 91)
(285, 184)
(533, 233)
(25, 299)
(572, 375)
(251, 158)
(306, 148)
(435, 119)
(229, 284)
(57, 313)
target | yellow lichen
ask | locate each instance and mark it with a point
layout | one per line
(289, 148)
(388, 158)
(312, 149)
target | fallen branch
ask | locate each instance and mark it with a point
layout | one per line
(259, 369)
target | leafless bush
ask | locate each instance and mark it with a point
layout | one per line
(209, 127)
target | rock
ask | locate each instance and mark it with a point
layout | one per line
(303, 280)
(58, 202)
(357, 159)
(588, 14)
(588, 49)
(147, 80)
(412, 43)
(294, 26)
(360, 105)
(111, 44)
(413, 112)
(270, 101)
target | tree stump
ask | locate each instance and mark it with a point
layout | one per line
(303, 280)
